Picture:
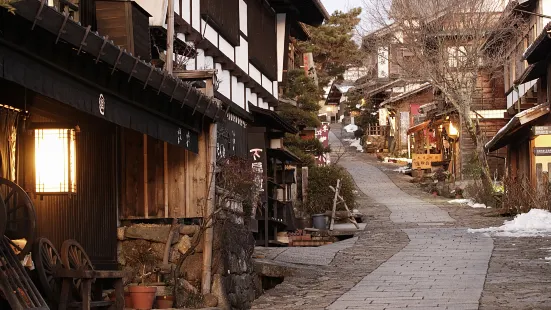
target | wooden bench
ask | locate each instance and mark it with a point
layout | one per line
(86, 278)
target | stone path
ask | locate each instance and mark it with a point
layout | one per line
(440, 268)
(319, 256)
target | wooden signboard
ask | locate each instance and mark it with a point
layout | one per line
(541, 130)
(542, 151)
(423, 161)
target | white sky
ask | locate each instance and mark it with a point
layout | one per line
(342, 5)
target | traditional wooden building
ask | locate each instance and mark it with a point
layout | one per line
(93, 133)
(526, 89)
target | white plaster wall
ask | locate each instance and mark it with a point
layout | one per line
(224, 79)
(200, 60)
(253, 98)
(157, 10)
(226, 48)
(238, 92)
(196, 15)
(243, 17)
(186, 13)
(247, 98)
(261, 103)
(255, 74)
(210, 33)
(242, 55)
(267, 84)
(546, 10)
(275, 90)
(281, 52)
(209, 63)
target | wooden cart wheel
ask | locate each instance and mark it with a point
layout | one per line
(47, 260)
(20, 216)
(74, 257)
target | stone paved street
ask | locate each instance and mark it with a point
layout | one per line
(415, 252)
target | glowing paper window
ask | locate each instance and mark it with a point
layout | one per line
(55, 160)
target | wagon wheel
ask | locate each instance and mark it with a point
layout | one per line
(47, 260)
(74, 257)
(20, 216)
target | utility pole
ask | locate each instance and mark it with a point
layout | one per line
(170, 38)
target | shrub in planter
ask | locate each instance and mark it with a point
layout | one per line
(320, 197)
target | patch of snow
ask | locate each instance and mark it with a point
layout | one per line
(470, 203)
(357, 145)
(350, 128)
(461, 201)
(536, 222)
(548, 258)
(401, 169)
(395, 159)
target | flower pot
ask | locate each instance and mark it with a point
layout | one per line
(165, 302)
(142, 296)
(127, 299)
(302, 222)
(319, 221)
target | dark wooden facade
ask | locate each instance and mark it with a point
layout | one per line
(262, 37)
(223, 16)
(90, 214)
(127, 24)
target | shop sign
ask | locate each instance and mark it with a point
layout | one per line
(424, 161)
(541, 130)
(542, 151)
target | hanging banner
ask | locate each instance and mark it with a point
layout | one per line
(383, 116)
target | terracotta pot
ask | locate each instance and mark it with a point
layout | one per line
(142, 296)
(127, 299)
(165, 302)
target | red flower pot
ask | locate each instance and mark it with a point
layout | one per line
(165, 302)
(142, 296)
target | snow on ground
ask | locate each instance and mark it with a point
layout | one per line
(536, 222)
(401, 169)
(350, 128)
(470, 203)
(357, 144)
(393, 159)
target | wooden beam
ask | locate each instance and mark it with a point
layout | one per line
(190, 75)
(145, 189)
(165, 175)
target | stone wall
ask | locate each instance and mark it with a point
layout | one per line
(154, 237)
(233, 266)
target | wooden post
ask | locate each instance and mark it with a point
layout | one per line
(304, 184)
(170, 38)
(145, 190)
(206, 277)
(165, 175)
(335, 204)
(539, 175)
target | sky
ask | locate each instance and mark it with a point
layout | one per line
(342, 5)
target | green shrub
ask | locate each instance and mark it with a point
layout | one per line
(320, 197)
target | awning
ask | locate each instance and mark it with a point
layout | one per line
(270, 119)
(538, 50)
(418, 127)
(534, 71)
(283, 155)
(64, 88)
(522, 120)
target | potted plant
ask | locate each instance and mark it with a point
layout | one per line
(167, 300)
(142, 295)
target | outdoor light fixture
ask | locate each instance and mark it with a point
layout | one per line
(55, 160)
(329, 109)
(453, 132)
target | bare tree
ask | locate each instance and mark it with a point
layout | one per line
(450, 44)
